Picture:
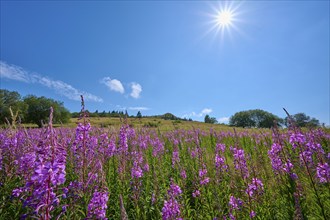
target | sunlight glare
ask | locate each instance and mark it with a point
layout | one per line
(225, 18)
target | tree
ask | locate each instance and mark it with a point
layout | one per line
(242, 119)
(39, 108)
(139, 115)
(303, 120)
(210, 120)
(254, 118)
(11, 100)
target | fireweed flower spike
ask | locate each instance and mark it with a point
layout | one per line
(256, 187)
(240, 162)
(49, 172)
(98, 205)
(171, 208)
(323, 172)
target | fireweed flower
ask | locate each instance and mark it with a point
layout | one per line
(171, 208)
(196, 193)
(240, 162)
(183, 174)
(278, 163)
(158, 147)
(235, 203)
(49, 172)
(175, 157)
(136, 171)
(252, 214)
(220, 162)
(297, 138)
(274, 156)
(98, 205)
(220, 147)
(202, 176)
(174, 190)
(256, 187)
(323, 172)
(123, 138)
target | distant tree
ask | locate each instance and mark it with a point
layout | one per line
(39, 108)
(303, 120)
(210, 120)
(169, 116)
(9, 99)
(242, 119)
(102, 114)
(75, 115)
(254, 118)
(139, 115)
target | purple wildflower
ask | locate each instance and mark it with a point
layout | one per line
(220, 147)
(235, 203)
(98, 205)
(196, 193)
(274, 155)
(255, 187)
(323, 172)
(171, 209)
(175, 190)
(220, 162)
(252, 214)
(296, 139)
(183, 174)
(240, 162)
(175, 157)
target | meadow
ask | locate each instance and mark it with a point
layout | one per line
(157, 169)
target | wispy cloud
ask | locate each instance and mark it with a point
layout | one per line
(113, 84)
(136, 90)
(138, 108)
(204, 112)
(224, 120)
(17, 73)
(13, 72)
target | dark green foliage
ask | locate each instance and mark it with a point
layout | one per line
(31, 109)
(210, 120)
(139, 115)
(39, 108)
(254, 118)
(303, 120)
(12, 100)
(169, 116)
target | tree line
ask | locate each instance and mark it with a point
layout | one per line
(30, 109)
(258, 118)
(33, 109)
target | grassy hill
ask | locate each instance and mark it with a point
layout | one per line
(152, 122)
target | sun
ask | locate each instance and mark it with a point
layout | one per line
(224, 18)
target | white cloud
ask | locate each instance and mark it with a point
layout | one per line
(136, 90)
(223, 120)
(13, 72)
(17, 73)
(205, 111)
(138, 108)
(113, 84)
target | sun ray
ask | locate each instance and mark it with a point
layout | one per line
(224, 20)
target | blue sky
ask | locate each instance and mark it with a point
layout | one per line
(173, 56)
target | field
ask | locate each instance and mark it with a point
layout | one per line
(157, 169)
(145, 122)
